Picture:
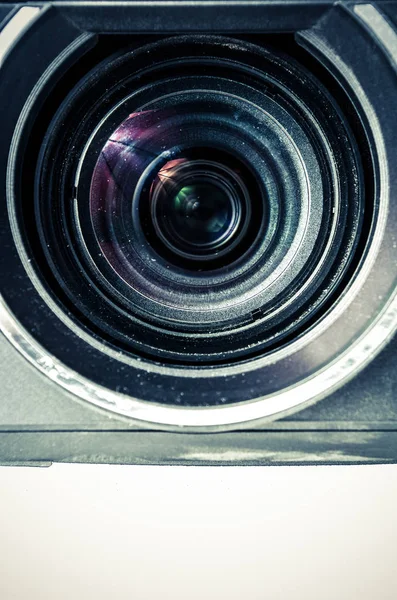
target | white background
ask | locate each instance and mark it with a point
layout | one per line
(79, 531)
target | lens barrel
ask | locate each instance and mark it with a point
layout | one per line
(218, 201)
(203, 213)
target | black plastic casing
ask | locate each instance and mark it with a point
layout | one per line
(41, 423)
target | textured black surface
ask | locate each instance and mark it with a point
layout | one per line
(371, 396)
(161, 17)
(389, 9)
(4, 10)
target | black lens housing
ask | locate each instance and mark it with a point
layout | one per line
(293, 254)
(83, 307)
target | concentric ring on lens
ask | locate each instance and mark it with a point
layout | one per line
(200, 209)
(289, 148)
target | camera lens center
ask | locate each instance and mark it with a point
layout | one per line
(198, 208)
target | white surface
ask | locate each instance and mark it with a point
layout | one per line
(78, 531)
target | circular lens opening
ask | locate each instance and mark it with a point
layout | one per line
(198, 208)
(216, 211)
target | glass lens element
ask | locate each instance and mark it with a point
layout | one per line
(196, 207)
(202, 210)
(171, 182)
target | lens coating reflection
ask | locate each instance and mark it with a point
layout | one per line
(196, 207)
(201, 210)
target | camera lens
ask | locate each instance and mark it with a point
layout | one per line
(170, 184)
(199, 230)
(202, 209)
(192, 210)
(197, 207)
(214, 209)
(200, 214)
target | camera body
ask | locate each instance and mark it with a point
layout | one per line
(68, 394)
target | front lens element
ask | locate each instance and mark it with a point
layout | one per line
(197, 207)
(202, 210)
